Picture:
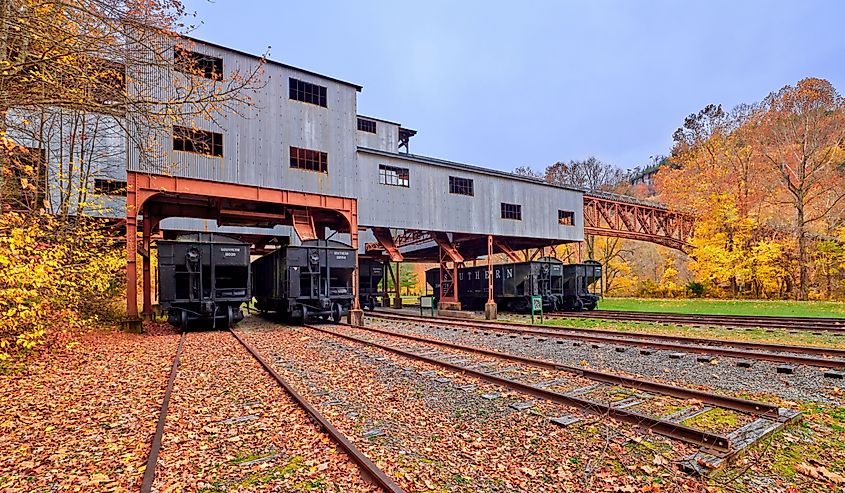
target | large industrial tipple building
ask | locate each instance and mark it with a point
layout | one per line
(298, 162)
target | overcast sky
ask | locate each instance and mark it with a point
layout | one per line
(504, 84)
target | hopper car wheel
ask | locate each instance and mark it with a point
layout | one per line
(371, 304)
(183, 319)
(304, 314)
(337, 313)
(230, 315)
(591, 307)
(579, 305)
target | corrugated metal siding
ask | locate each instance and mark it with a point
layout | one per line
(257, 137)
(386, 137)
(208, 225)
(428, 205)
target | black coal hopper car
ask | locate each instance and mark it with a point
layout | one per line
(313, 279)
(203, 278)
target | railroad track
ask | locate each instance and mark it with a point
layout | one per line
(368, 469)
(779, 353)
(715, 448)
(796, 324)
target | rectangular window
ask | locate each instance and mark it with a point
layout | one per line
(307, 92)
(193, 63)
(309, 160)
(566, 218)
(461, 186)
(511, 211)
(392, 175)
(365, 125)
(25, 165)
(109, 187)
(198, 141)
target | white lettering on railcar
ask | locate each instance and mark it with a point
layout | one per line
(230, 251)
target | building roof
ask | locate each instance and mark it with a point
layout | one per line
(273, 62)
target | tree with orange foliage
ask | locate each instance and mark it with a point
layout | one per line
(800, 135)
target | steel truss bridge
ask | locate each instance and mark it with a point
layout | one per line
(605, 214)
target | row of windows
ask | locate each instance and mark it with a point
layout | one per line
(365, 125)
(461, 186)
(307, 92)
(211, 67)
(109, 187)
(193, 63)
(198, 141)
(309, 159)
(392, 175)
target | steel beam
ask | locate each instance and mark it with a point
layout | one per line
(385, 240)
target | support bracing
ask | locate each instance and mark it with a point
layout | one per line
(385, 239)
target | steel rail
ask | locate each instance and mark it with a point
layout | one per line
(712, 441)
(734, 403)
(771, 318)
(761, 346)
(690, 319)
(625, 341)
(155, 448)
(367, 466)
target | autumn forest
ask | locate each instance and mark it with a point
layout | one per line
(766, 181)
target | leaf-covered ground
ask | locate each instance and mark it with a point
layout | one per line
(81, 419)
(431, 432)
(231, 427)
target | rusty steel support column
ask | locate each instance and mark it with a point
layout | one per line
(132, 323)
(385, 295)
(490, 309)
(397, 301)
(356, 314)
(146, 261)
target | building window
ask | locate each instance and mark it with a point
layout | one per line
(511, 211)
(365, 125)
(25, 165)
(109, 187)
(198, 141)
(307, 92)
(392, 175)
(309, 160)
(461, 186)
(193, 63)
(566, 218)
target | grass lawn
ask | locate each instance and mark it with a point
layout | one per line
(728, 307)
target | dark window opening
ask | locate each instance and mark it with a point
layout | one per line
(511, 211)
(198, 141)
(366, 125)
(307, 92)
(23, 187)
(309, 160)
(392, 175)
(193, 63)
(566, 218)
(109, 187)
(461, 186)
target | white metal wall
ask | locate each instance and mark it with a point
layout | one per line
(427, 204)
